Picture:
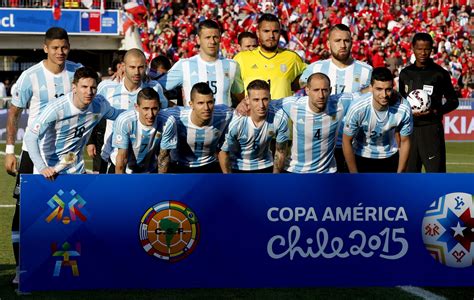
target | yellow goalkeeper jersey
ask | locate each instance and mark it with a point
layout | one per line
(279, 69)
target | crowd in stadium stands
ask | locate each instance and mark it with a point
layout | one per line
(382, 30)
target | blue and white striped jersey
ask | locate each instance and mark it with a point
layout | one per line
(314, 134)
(62, 128)
(374, 134)
(350, 79)
(142, 142)
(197, 146)
(222, 75)
(121, 98)
(249, 146)
(37, 86)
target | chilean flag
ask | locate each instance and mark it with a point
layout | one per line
(56, 10)
(135, 8)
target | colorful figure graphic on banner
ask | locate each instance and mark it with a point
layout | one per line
(74, 206)
(448, 230)
(66, 261)
(169, 230)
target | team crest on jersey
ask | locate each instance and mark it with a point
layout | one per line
(157, 135)
(226, 74)
(36, 128)
(169, 231)
(356, 79)
(119, 138)
(271, 133)
(283, 68)
(448, 230)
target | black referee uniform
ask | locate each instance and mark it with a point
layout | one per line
(427, 141)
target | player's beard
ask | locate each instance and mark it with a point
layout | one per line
(341, 58)
(269, 49)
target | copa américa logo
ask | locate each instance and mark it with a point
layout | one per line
(169, 231)
(448, 230)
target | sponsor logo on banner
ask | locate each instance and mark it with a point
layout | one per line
(74, 207)
(388, 242)
(169, 231)
(448, 230)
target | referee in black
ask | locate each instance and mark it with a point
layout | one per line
(427, 141)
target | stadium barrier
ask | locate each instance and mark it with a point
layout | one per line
(214, 230)
(459, 124)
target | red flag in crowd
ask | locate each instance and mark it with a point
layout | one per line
(56, 10)
(135, 8)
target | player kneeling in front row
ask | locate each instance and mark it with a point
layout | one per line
(247, 144)
(57, 138)
(316, 119)
(139, 134)
(369, 142)
(201, 130)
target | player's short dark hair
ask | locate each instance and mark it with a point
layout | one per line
(320, 76)
(56, 33)
(381, 74)
(340, 27)
(85, 72)
(201, 88)
(258, 84)
(148, 93)
(160, 61)
(244, 35)
(267, 18)
(134, 52)
(209, 24)
(422, 36)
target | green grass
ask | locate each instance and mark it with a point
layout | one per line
(460, 157)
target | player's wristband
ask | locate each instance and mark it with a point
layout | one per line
(10, 149)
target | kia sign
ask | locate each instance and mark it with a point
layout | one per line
(459, 125)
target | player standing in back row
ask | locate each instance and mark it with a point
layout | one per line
(281, 68)
(347, 74)
(222, 75)
(44, 82)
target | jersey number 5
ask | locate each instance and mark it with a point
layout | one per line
(213, 85)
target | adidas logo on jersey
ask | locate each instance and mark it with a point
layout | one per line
(43, 88)
(254, 67)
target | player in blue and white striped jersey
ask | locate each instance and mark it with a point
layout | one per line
(36, 87)
(347, 74)
(247, 142)
(65, 126)
(369, 141)
(201, 130)
(316, 119)
(222, 75)
(123, 95)
(140, 134)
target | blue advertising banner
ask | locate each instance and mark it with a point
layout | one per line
(76, 22)
(214, 230)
